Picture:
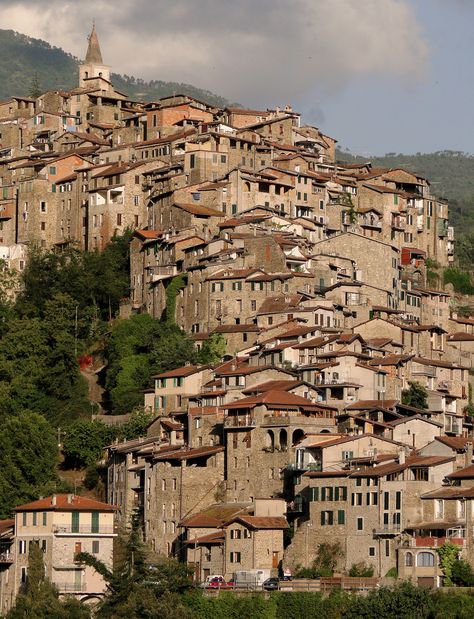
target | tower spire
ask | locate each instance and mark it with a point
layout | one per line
(94, 55)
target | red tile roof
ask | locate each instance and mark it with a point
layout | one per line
(276, 399)
(465, 473)
(66, 502)
(260, 522)
(185, 370)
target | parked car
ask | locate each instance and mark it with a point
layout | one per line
(218, 582)
(271, 584)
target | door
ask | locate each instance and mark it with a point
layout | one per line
(95, 522)
(77, 580)
(275, 559)
(77, 548)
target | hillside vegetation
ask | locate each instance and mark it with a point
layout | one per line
(451, 174)
(23, 59)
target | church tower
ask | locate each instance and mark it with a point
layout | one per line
(93, 71)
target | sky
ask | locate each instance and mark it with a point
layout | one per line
(378, 75)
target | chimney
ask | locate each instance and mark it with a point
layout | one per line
(69, 498)
(401, 456)
(53, 500)
(468, 456)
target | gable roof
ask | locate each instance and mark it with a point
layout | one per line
(66, 502)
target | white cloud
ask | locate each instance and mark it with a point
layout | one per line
(256, 51)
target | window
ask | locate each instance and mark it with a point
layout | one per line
(22, 547)
(52, 169)
(119, 219)
(371, 551)
(192, 161)
(341, 516)
(23, 575)
(24, 515)
(235, 557)
(360, 524)
(398, 500)
(327, 517)
(45, 516)
(253, 306)
(43, 225)
(43, 206)
(35, 517)
(347, 455)
(136, 200)
(425, 559)
(408, 559)
(95, 547)
(236, 285)
(235, 534)
(386, 500)
(75, 522)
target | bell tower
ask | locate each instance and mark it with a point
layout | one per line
(93, 66)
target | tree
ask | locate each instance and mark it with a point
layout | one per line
(138, 587)
(39, 599)
(448, 555)
(84, 442)
(35, 87)
(462, 573)
(28, 459)
(361, 570)
(416, 395)
(213, 349)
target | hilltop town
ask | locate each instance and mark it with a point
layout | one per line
(341, 410)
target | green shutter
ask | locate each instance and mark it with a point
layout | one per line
(330, 491)
(341, 516)
(323, 493)
(95, 522)
(75, 522)
(331, 517)
(336, 493)
(344, 493)
(314, 494)
(323, 518)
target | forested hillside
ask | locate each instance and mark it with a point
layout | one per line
(451, 174)
(24, 59)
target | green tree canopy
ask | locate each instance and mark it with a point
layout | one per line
(28, 459)
(416, 395)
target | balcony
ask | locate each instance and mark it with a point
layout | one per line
(239, 421)
(71, 587)
(387, 529)
(86, 529)
(398, 223)
(301, 466)
(434, 542)
(6, 557)
(367, 222)
(159, 273)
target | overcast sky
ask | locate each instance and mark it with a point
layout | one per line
(378, 75)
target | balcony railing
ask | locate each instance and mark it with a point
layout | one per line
(71, 587)
(388, 529)
(6, 557)
(240, 422)
(83, 530)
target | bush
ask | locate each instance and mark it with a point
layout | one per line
(362, 570)
(462, 573)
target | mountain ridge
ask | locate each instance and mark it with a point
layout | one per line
(24, 59)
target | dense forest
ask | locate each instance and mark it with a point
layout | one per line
(25, 61)
(451, 174)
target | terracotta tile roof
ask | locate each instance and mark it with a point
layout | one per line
(461, 337)
(214, 515)
(231, 274)
(370, 404)
(458, 443)
(389, 360)
(273, 385)
(6, 525)
(449, 492)
(260, 522)
(211, 538)
(66, 502)
(189, 454)
(317, 342)
(185, 370)
(395, 467)
(329, 441)
(465, 473)
(148, 234)
(237, 329)
(440, 364)
(277, 399)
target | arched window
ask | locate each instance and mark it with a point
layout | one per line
(283, 440)
(297, 436)
(246, 186)
(408, 559)
(425, 559)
